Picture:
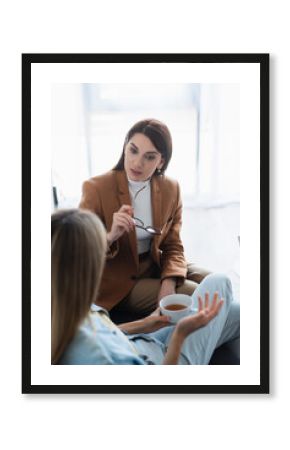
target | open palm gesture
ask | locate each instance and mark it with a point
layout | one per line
(206, 312)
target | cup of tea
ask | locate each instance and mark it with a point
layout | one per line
(176, 306)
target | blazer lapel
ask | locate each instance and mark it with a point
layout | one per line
(125, 199)
(156, 205)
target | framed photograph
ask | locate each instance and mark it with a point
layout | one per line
(76, 112)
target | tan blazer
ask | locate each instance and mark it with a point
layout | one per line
(104, 195)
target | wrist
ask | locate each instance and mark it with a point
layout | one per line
(174, 348)
(178, 336)
(132, 327)
(109, 239)
(170, 282)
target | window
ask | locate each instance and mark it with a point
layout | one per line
(90, 121)
(113, 109)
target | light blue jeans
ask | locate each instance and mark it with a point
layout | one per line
(200, 345)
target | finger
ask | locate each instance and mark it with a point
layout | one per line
(157, 320)
(200, 304)
(207, 312)
(125, 218)
(215, 299)
(163, 319)
(127, 209)
(129, 218)
(123, 224)
(122, 219)
(214, 312)
(219, 305)
(125, 214)
(206, 303)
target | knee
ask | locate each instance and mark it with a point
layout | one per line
(219, 278)
(222, 284)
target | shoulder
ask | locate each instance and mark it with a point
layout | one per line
(105, 179)
(167, 184)
(100, 185)
(170, 181)
(95, 344)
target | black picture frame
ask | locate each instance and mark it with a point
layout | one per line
(263, 61)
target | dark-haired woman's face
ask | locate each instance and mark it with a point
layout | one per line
(141, 158)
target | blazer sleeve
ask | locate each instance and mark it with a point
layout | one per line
(173, 263)
(91, 200)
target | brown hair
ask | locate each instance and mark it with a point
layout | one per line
(78, 246)
(159, 135)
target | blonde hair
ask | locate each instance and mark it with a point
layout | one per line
(78, 246)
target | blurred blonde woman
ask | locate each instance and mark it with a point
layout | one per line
(77, 249)
(82, 332)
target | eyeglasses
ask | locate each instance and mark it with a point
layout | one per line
(151, 230)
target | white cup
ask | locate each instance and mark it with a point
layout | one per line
(176, 299)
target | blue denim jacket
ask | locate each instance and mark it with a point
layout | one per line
(99, 341)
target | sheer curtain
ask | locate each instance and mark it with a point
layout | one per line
(113, 109)
(219, 155)
(90, 121)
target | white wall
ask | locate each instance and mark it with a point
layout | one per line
(219, 168)
(69, 144)
(86, 144)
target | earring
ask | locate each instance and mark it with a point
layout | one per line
(159, 171)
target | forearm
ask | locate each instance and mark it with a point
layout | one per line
(109, 239)
(138, 326)
(168, 283)
(174, 348)
(168, 286)
(112, 248)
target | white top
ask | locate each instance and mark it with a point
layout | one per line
(140, 193)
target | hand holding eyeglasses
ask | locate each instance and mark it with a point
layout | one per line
(122, 222)
(150, 230)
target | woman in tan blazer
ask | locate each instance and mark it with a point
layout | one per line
(141, 209)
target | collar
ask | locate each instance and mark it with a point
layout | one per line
(96, 308)
(136, 185)
(123, 182)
